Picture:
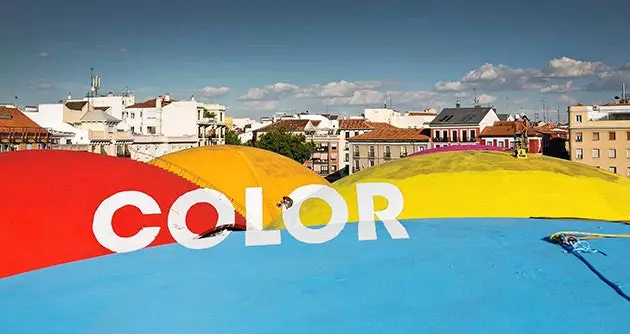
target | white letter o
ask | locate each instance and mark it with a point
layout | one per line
(179, 210)
(337, 222)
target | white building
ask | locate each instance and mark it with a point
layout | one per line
(50, 116)
(407, 120)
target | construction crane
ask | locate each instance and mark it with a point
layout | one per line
(521, 146)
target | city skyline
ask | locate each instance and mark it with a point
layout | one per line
(323, 56)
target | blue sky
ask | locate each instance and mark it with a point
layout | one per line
(277, 55)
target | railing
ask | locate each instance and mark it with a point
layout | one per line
(192, 177)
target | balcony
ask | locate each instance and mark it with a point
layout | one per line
(207, 121)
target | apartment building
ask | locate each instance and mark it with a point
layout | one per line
(502, 134)
(599, 135)
(350, 128)
(386, 144)
(460, 126)
(18, 132)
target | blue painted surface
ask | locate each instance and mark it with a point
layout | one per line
(452, 276)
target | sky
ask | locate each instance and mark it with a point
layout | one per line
(260, 57)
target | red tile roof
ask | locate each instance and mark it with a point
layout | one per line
(362, 124)
(507, 129)
(354, 124)
(292, 125)
(13, 118)
(150, 104)
(315, 123)
(392, 134)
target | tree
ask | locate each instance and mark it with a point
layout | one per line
(231, 138)
(288, 144)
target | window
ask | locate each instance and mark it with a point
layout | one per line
(579, 154)
(595, 153)
(578, 136)
(371, 153)
(473, 135)
(500, 143)
(324, 169)
(612, 153)
(578, 118)
(151, 130)
(347, 146)
(131, 129)
(595, 136)
(628, 171)
(347, 134)
(627, 135)
(420, 148)
(333, 146)
(356, 133)
(29, 146)
(612, 135)
(347, 158)
(612, 169)
(371, 163)
(333, 169)
(628, 153)
(454, 135)
(388, 152)
(403, 151)
(464, 135)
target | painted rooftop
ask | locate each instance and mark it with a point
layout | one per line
(477, 258)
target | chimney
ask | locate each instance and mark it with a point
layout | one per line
(158, 102)
(192, 98)
(69, 96)
(167, 97)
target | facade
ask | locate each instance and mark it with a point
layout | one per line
(501, 134)
(599, 136)
(18, 132)
(407, 120)
(461, 126)
(350, 128)
(383, 145)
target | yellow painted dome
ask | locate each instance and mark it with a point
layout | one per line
(486, 184)
(230, 169)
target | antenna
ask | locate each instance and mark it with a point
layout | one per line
(623, 92)
(558, 114)
(544, 109)
(16, 98)
(475, 100)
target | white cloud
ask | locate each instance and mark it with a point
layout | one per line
(338, 89)
(123, 50)
(44, 85)
(610, 80)
(569, 68)
(43, 54)
(486, 99)
(262, 105)
(500, 77)
(558, 88)
(270, 92)
(210, 91)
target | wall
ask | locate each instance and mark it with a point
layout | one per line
(179, 119)
(396, 148)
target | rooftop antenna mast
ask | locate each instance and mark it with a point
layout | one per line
(95, 83)
(544, 109)
(475, 101)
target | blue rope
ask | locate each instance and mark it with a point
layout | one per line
(576, 248)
